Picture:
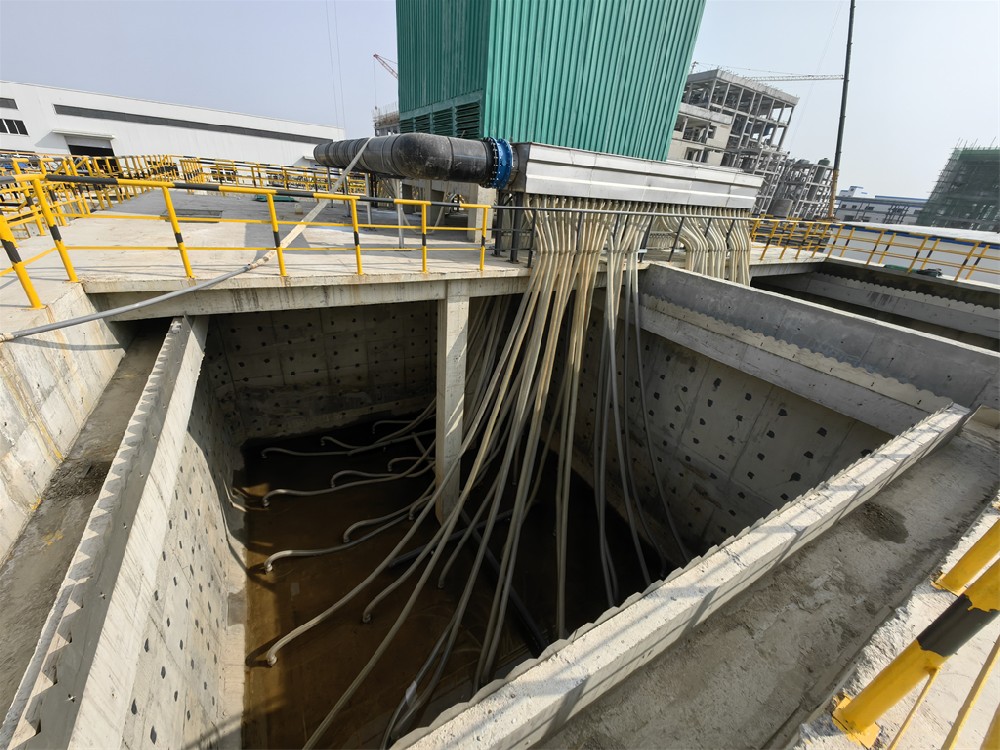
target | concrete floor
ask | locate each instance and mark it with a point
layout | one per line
(758, 668)
(935, 717)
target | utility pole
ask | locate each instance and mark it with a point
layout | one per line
(843, 115)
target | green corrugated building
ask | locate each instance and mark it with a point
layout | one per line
(600, 75)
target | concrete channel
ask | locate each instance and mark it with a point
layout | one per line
(770, 431)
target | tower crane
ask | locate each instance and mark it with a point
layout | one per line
(798, 78)
(387, 64)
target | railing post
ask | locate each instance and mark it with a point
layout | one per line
(966, 616)
(10, 247)
(969, 564)
(43, 204)
(767, 244)
(830, 248)
(677, 237)
(916, 255)
(982, 254)
(968, 256)
(923, 263)
(482, 238)
(274, 231)
(178, 237)
(423, 236)
(875, 247)
(888, 244)
(357, 236)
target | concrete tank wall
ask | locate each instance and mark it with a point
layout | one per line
(50, 384)
(294, 371)
(730, 448)
(145, 640)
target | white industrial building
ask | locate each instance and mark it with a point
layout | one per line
(51, 120)
(856, 204)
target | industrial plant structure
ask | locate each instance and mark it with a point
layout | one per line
(855, 204)
(732, 121)
(285, 466)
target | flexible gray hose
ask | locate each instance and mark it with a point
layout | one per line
(136, 305)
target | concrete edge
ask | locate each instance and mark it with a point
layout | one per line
(64, 650)
(104, 701)
(543, 694)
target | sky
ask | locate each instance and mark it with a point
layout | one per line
(925, 74)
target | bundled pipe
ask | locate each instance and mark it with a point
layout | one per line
(517, 395)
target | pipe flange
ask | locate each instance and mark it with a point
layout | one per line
(503, 160)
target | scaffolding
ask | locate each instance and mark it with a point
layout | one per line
(966, 193)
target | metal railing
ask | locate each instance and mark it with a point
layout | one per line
(977, 604)
(39, 187)
(917, 252)
(24, 216)
(42, 194)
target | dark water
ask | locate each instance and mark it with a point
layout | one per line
(286, 702)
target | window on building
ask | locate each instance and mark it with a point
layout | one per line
(693, 154)
(13, 127)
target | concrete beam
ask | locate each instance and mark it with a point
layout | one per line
(452, 343)
(340, 291)
(881, 402)
(926, 308)
(965, 374)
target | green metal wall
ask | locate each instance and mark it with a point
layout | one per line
(601, 75)
(442, 48)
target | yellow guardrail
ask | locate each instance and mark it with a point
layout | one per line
(957, 258)
(25, 219)
(977, 604)
(37, 186)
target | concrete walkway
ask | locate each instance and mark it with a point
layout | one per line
(759, 667)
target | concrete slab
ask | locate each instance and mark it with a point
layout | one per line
(541, 696)
(762, 664)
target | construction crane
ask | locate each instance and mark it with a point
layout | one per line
(798, 78)
(387, 64)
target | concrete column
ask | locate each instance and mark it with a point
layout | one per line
(452, 326)
(483, 196)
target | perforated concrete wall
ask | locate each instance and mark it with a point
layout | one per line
(294, 371)
(143, 643)
(49, 384)
(729, 447)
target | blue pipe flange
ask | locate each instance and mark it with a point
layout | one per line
(503, 161)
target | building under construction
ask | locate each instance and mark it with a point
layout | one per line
(966, 193)
(732, 121)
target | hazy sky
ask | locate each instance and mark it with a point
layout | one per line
(925, 74)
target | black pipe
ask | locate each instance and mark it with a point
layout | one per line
(489, 162)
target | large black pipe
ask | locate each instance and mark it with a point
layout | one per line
(422, 156)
